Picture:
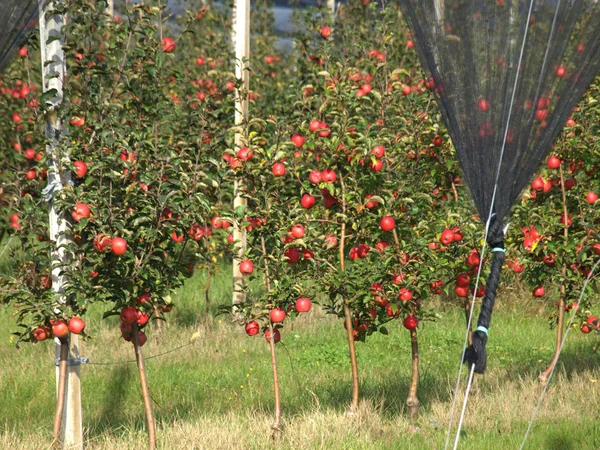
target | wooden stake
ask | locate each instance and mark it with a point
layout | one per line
(139, 358)
(53, 75)
(241, 41)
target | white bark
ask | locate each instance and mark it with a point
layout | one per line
(53, 74)
(241, 41)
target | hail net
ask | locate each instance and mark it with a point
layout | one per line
(506, 75)
(16, 18)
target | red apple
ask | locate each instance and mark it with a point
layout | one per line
(246, 267)
(298, 140)
(387, 223)
(81, 211)
(80, 169)
(252, 328)
(277, 315)
(410, 322)
(307, 201)
(118, 246)
(405, 295)
(447, 237)
(142, 338)
(483, 105)
(553, 162)
(278, 169)
(60, 329)
(101, 242)
(41, 333)
(292, 255)
(591, 197)
(538, 184)
(463, 280)
(76, 325)
(326, 32)
(168, 45)
(328, 176)
(315, 177)
(129, 314)
(276, 336)
(539, 291)
(244, 154)
(142, 318)
(298, 231)
(378, 151)
(177, 238)
(303, 305)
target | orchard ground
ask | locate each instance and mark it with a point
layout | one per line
(217, 392)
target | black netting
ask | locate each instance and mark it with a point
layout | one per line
(477, 52)
(506, 75)
(16, 17)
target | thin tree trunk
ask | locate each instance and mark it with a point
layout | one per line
(561, 303)
(60, 396)
(276, 426)
(145, 390)
(412, 402)
(348, 316)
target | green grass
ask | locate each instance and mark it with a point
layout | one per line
(217, 392)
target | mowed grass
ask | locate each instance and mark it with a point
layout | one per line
(216, 393)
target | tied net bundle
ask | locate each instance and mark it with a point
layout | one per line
(16, 18)
(506, 75)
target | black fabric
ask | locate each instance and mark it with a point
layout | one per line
(506, 75)
(16, 18)
(472, 49)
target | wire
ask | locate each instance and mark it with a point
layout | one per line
(464, 408)
(487, 229)
(173, 350)
(562, 343)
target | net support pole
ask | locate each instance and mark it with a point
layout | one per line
(53, 75)
(110, 7)
(331, 6)
(241, 42)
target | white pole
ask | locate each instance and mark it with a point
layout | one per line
(241, 42)
(110, 7)
(331, 6)
(53, 74)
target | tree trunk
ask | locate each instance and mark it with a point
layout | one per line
(412, 402)
(559, 335)
(347, 314)
(145, 390)
(207, 295)
(60, 396)
(353, 361)
(276, 426)
(561, 303)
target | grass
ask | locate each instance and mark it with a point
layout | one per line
(217, 393)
